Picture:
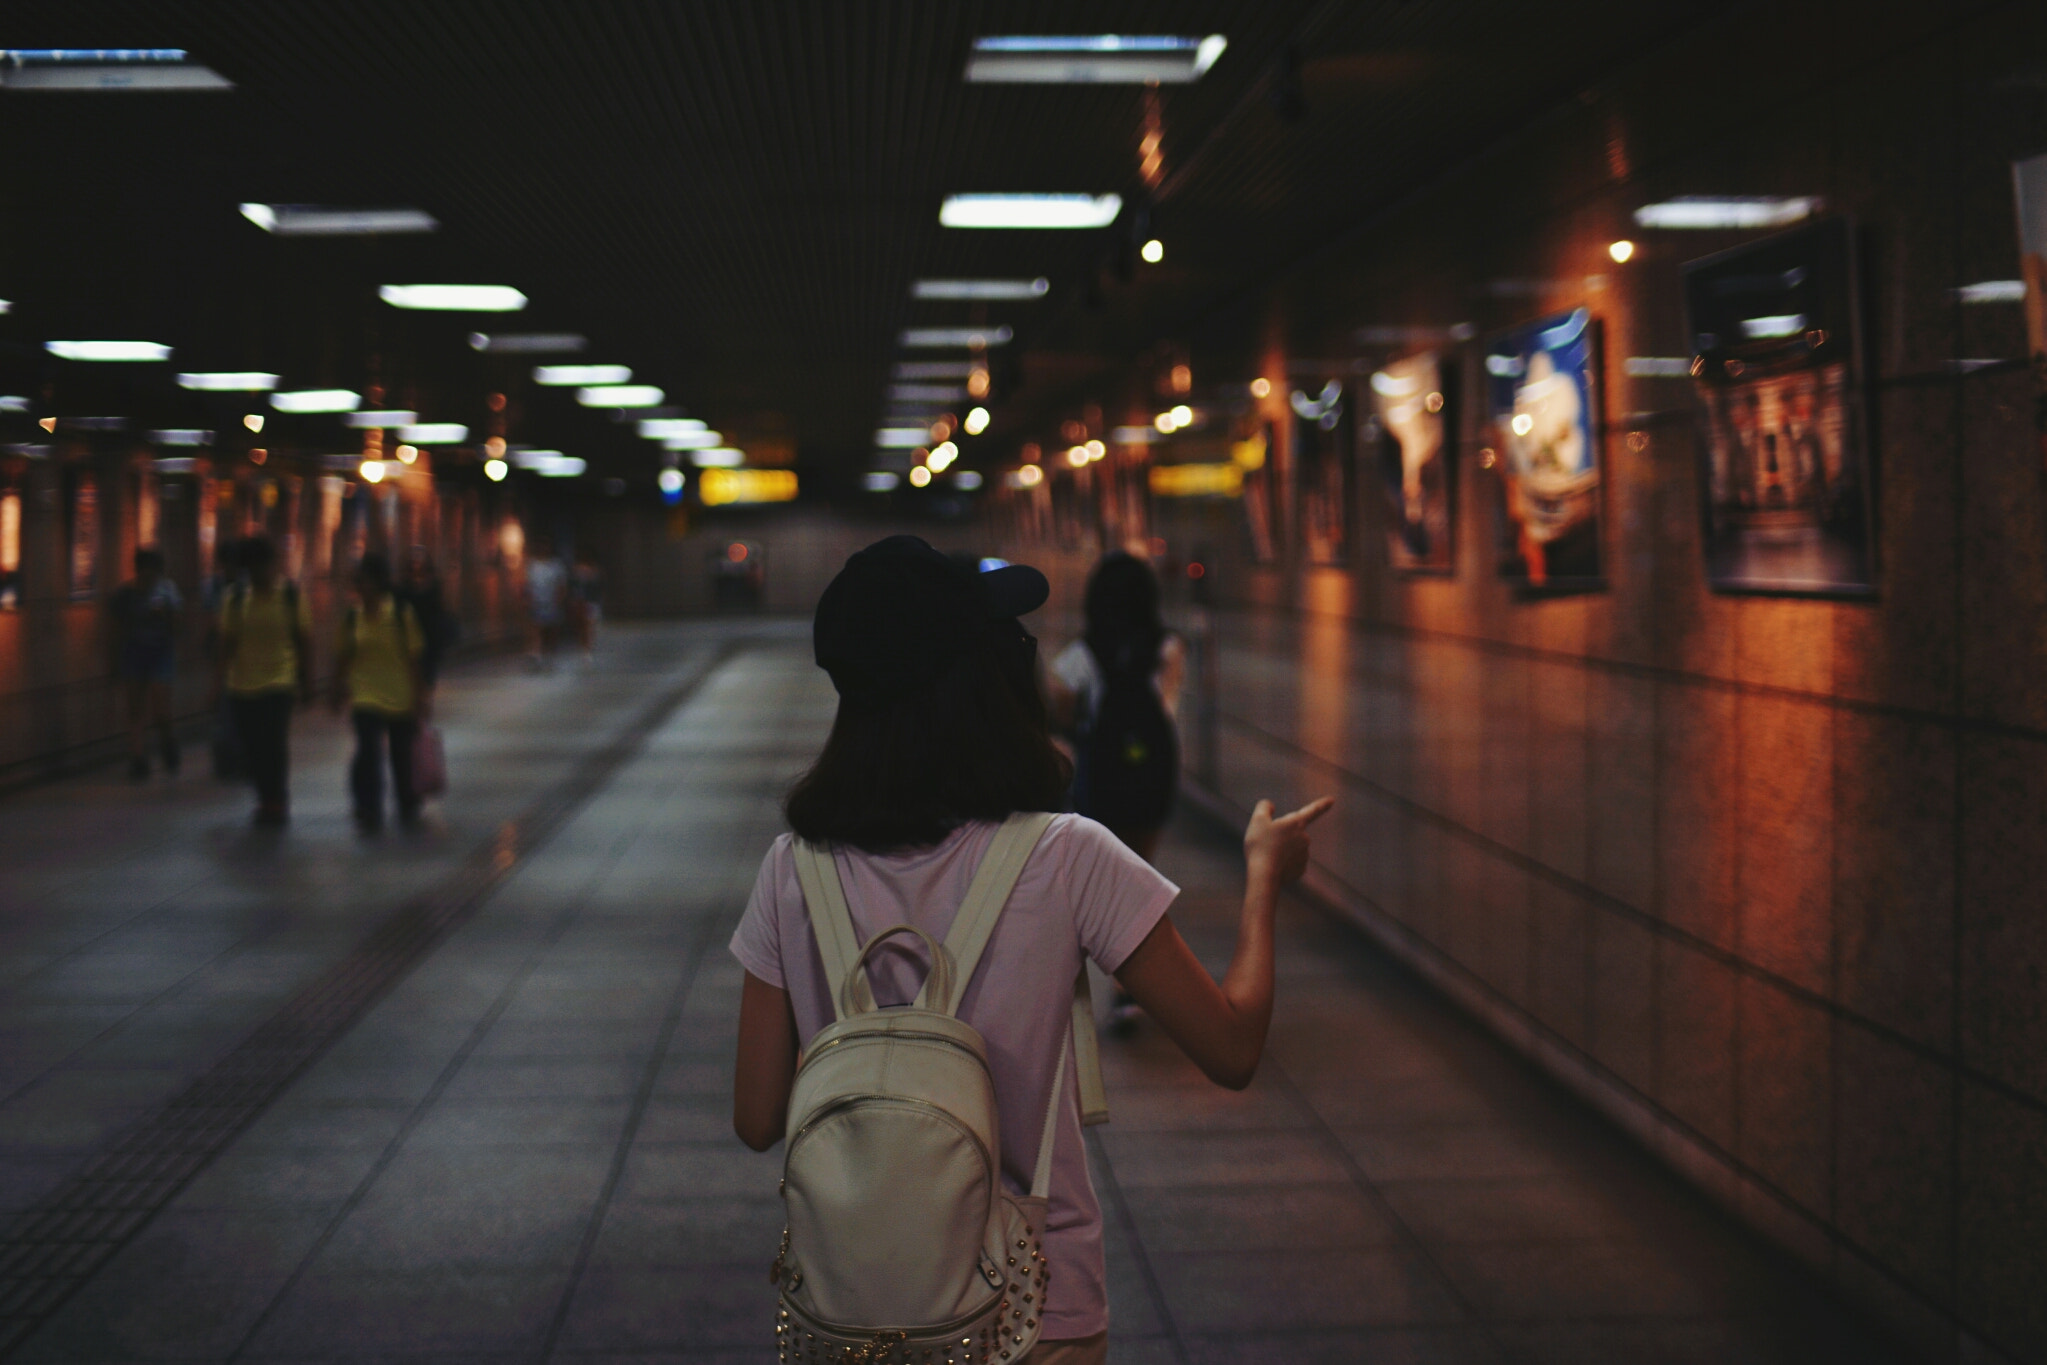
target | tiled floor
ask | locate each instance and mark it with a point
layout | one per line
(523, 1152)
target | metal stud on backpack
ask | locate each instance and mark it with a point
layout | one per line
(902, 1246)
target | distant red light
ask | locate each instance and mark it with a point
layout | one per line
(735, 552)
(1194, 569)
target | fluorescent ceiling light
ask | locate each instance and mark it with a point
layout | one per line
(1100, 59)
(13, 402)
(1992, 291)
(1775, 325)
(308, 220)
(316, 400)
(569, 376)
(181, 436)
(228, 381)
(1134, 436)
(551, 464)
(926, 393)
(434, 433)
(528, 343)
(980, 289)
(6, 307)
(902, 438)
(692, 440)
(659, 428)
(717, 457)
(1030, 210)
(967, 480)
(1727, 211)
(932, 369)
(976, 337)
(620, 396)
(90, 68)
(383, 417)
(1648, 367)
(175, 464)
(107, 350)
(454, 298)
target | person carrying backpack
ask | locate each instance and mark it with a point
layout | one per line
(265, 662)
(377, 676)
(909, 1019)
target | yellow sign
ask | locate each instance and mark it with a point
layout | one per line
(720, 486)
(1198, 480)
(1249, 454)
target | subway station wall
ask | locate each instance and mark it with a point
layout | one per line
(1765, 877)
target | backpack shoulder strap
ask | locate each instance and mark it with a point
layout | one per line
(1087, 1054)
(824, 896)
(993, 880)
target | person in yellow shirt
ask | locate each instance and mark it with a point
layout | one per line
(376, 673)
(265, 663)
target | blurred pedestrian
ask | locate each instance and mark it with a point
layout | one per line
(586, 592)
(1116, 689)
(377, 657)
(145, 612)
(547, 582)
(420, 589)
(265, 662)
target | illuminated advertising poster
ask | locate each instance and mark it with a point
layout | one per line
(1254, 456)
(2029, 185)
(1320, 437)
(1542, 395)
(85, 536)
(1416, 470)
(1786, 488)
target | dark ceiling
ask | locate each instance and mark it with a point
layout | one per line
(733, 198)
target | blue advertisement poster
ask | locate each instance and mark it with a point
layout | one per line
(1542, 396)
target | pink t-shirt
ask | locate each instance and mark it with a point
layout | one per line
(1081, 892)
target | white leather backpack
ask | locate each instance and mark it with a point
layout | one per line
(902, 1246)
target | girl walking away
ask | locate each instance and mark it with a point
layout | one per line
(376, 674)
(909, 1019)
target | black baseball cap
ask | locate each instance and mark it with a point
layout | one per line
(900, 611)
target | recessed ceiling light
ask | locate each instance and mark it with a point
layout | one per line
(717, 457)
(1992, 291)
(528, 343)
(434, 433)
(1030, 210)
(454, 298)
(658, 428)
(316, 400)
(383, 417)
(228, 381)
(107, 350)
(976, 337)
(92, 68)
(13, 402)
(620, 396)
(308, 220)
(1095, 59)
(574, 375)
(981, 289)
(1698, 211)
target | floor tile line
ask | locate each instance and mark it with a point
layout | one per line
(1113, 1188)
(1411, 1240)
(548, 940)
(238, 1086)
(650, 1078)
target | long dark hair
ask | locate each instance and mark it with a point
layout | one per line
(903, 772)
(1124, 631)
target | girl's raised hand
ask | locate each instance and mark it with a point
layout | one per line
(1276, 847)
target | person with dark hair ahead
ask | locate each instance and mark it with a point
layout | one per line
(940, 736)
(265, 662)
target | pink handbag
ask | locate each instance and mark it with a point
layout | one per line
(429, 762)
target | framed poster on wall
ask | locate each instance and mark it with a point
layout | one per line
(1543, 401)
(84, 559)
(1417, 470)
(1784, 470)
(1321, 438)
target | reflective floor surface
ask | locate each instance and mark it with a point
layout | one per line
(513, 1143)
